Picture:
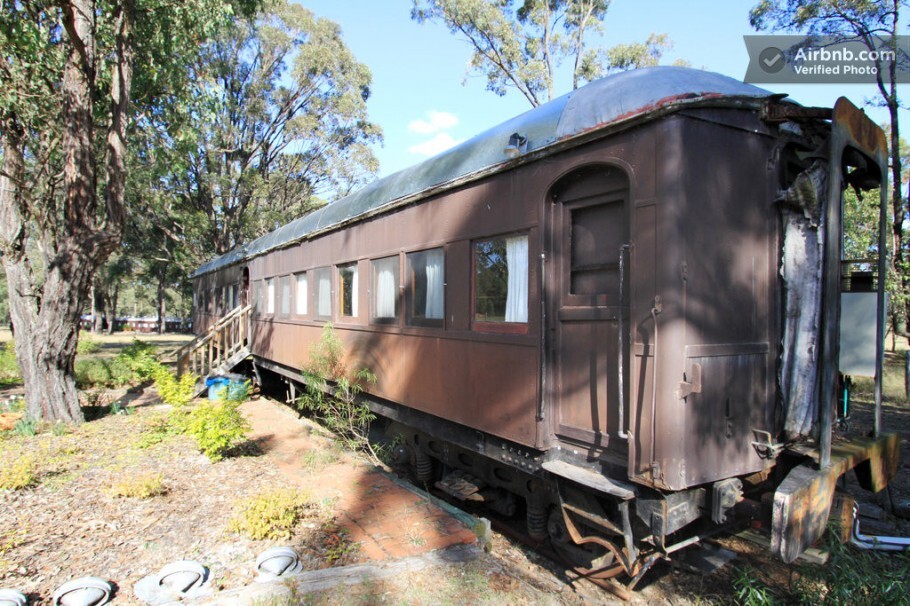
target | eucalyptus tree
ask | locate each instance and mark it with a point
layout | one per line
(277, 124)
(521, 45)
(69, 70)
(876, 24)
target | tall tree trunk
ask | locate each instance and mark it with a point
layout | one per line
(97, 297)
(45, 306)
(110, 309)
(46, 315)
(162, 295)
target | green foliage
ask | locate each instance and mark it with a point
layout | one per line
(327, 355)
(175, 391)
(853, 576)
(9, 368)
(216, 426)
(102, 372)
(332, 394)
(272, 514)
(520, 45)
(140, 357)
(158, 430)
(18, 474)
(26, 427)
(87, 344)
(750, 590)
(143, 486)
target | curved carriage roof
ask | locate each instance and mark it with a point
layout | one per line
(600, 104)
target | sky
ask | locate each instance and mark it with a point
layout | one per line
(425, 100)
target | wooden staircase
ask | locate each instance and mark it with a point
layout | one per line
(220, 349)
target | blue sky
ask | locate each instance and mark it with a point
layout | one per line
(423, 100)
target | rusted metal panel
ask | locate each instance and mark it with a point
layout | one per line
(803, 500)
(715, 292)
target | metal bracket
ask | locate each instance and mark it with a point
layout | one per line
(692, 384)
(764, 444)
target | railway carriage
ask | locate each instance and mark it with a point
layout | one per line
(616, 314)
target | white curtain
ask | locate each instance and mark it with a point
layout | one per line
(517, 263)
(324, 296)
(301, 299)
(270, 297)
(386, 290)
(435, 290)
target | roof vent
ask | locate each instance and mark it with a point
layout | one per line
(518, 144)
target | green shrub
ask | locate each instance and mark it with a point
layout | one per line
(26, 427)
(19, 474)
(174, 391)
(332, 394)
(216, 426)
(143, 486)
(9, 368)
(87, 344)
(101, 372)
(141, 358)
(271, 515)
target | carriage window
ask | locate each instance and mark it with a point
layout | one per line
(347, 281)
(285, 283)
(385, 289)
(426, 287)
(322, 282)
(501, 280)
(270, 296)
(300, 298)
(257, 297)
(229, 295)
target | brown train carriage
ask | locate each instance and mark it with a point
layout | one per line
(584, 308)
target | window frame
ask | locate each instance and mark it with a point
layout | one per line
(270, 296)
(396, 317)
(499, 326)
(354, 267)
(411, 319)
(284, 284)
(296, 294)
(317, 274)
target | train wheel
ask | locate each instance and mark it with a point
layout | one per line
(589, 556)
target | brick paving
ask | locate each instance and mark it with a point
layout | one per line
(387, 519)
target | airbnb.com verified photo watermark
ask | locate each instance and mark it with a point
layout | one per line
(827, 60)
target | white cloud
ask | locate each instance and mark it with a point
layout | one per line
(438, 121)
(437, 144)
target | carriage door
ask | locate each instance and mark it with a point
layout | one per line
(588, 231)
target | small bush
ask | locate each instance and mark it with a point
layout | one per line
(9, 368)
(271, 515)
(216, 426)
(332, 393)
(19, 474)
(101, 372)
(157, 431)
(139, 487)
(26, 427)
(174, 391)
(87, 344)
(141, 358)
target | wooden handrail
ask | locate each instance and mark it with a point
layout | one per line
(224, 339)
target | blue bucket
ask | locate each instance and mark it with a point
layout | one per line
(232, 387)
